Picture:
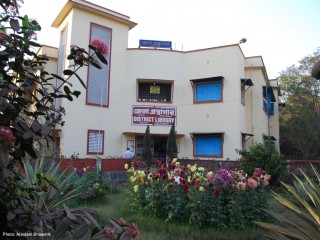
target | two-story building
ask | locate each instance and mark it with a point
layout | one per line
(218, 99)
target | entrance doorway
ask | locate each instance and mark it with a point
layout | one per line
(158, 147)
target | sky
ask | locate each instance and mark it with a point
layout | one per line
(281, 31)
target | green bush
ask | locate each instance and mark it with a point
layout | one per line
(263, 155)
(89, 182)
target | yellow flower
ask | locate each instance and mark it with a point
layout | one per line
(126, 166)
(189, 166)
(193, 168)
(201, 169)
(201, 189)
(132, 179)
(177, 164)
(174, 160)
(136, 188)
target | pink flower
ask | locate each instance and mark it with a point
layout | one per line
(257, 172)
(132, 231)
(122, 222)
(252, 183)
(101, 46)
(110, 234)
(6, 137)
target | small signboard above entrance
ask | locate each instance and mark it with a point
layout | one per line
(155, 44)
(154, 115)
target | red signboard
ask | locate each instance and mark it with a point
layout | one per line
(154, 115)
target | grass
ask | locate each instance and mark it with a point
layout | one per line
(116, 205)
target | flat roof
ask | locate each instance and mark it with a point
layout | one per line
(92, 8)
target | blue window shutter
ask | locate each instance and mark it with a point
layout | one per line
(208, 145)
(271, 109)
(208, 91)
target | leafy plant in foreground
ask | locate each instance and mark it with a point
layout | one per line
(306, 211)
(27, 117)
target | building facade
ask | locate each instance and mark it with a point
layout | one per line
(217, 99)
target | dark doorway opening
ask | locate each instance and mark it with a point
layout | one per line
(158, 147)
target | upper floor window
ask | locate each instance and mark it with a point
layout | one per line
(245, 84)
(155, 90)
(208, 144)
(208, 89)
(61, 62)
(98, 79)
(268, 100)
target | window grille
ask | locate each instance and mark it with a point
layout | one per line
(158, 92)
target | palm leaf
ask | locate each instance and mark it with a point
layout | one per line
(309, 213)
(281, 231)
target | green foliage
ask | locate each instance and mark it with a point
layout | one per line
(263, 155)
(172, 150)
(51, 184)
(89, 182)
(299, 121)
(196, 196)
(306, 210)
(28, 204)
(22, 71)
(146, 155)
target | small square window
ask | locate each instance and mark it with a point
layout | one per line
(95, 142)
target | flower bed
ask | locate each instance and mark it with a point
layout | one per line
(192, 194)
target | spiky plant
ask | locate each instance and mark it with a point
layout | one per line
(51, 184)
(305, 210)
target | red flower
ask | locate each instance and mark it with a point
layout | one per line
(185, 187)
(164, 176)
(6, 137)
(216, 192)
(101, 46)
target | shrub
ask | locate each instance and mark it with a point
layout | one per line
(306, 224)
(89, 183)
(197, 196)
(263, 155)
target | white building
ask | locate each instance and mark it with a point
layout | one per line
(218, 99)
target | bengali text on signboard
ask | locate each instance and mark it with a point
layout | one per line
(154, 115)
(155, 44)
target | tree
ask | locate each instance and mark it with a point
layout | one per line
(172, 150)
(31, 115)
(27, 117)
(300, 120)
(146, 155)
